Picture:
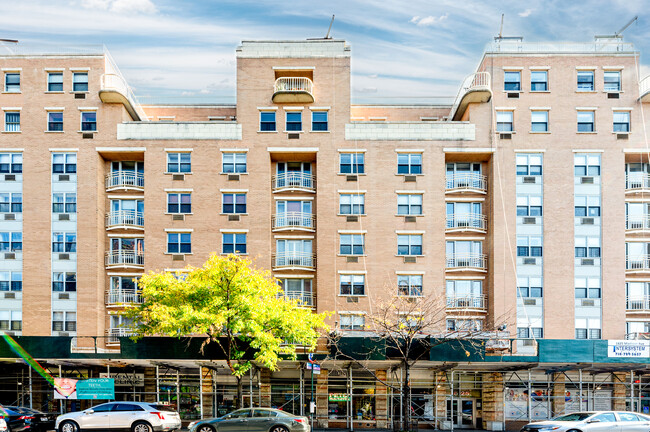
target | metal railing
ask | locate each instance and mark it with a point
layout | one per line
(479, 81)
(638, 262)
(638, 303)
(305, 299)
(114, 334)
(294, 259)
(126, 218)
(124, 258)
(116, 83)
(467, 180)
(293, 180)
(125, 180)
(294, 84)
(467, 260)
(598, 45)
(123, 296)
(635, 181)
(644, 86)
(293, 220)
(467, 302)
(637, 222)
(637, 336)
(476, 221)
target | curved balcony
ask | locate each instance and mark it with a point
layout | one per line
(637, 182)
(125, 219)
(293, 90)
(293, 221)
(116, 90)
(637, 264)
(124, 180)
(473, 303)
(466, 182)
(293, 181)
(124, 259)
(475, 89)
(118, 297)
(294, 260)
(638, 304)
(644, 89)
(304, 298)
(466, 262)
(466, 222)
(114, 334)
(637, 223)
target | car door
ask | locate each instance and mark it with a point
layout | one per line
(97, 419)
(604, 422)
(123, 415)
(261, 420)
(237, 421)
(629, 422)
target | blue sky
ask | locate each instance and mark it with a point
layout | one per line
(402, 51)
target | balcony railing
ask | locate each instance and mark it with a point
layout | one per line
(638, 303)
(637, 263)
(294, 259)
(294, 181)
(123, 296)
(466, 182)
(644, 89)
(305, 299)
(114, 334)
(467, 261)
(124, 180)
(293, 89)
(637, 181)
(466, 221)
(293, 220)
(475, 88)
(637, 222)
(467, 302)
(124, 219)
(124, 259)
(116, 90)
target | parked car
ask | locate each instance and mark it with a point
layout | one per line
(592, 421)
(16, 421)
(133, 416)
(3, 423)
(40, 421)
(253, 420)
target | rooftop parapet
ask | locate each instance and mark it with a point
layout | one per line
(599, 45)
(317, 48)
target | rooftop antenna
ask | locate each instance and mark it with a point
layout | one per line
(501, 28)
(9, 40)
(501, 37)
(618, 34)
(327, 36)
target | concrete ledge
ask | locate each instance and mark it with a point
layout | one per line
(179, 131)
(410, 131)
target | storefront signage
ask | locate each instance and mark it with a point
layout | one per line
(628, 348)
(96, 388)
(339, 397)
(125, 379)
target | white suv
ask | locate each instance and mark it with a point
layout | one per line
(132, 416)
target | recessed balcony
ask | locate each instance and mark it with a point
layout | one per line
(124, 219)
(293, 181)
(124, 259)
(466, 262)
(644, 89)
(293, 90)
(637, 223)
(466, 222)
(294, 261)
(637, 182)
(638, 304)
(468, 303)
(124, 180)
(466, 182)
(114, 335)
(637, 264)
(293, 221)
(123, 296)
(304, 298)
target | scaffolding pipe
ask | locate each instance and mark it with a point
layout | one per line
(401, 397)
(62, 400)
(201, 390)
(435, 402)
(632, 391)
(178, 391)
(451, 416)
(530, 398)
(30, 387)
(350, 404)
(250, 388)
(302, 393)
(580, 387)
(157, 384)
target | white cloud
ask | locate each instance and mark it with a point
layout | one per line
(525, 13)
(120, 6)
(428, 20)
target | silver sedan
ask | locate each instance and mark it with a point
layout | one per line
(253, 420)
(593, 421)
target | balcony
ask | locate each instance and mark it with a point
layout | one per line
(637, 223)
(114, 334)
(475, 89)
(471, 222)
(125, 219)
(637, 182)
(304, 298)
(644, 89)
(116, 90)
(124, 180)
(466, 262)
(117, 297)
(294, 260)
(467, 303)
(466, 182)
(293, 90)
(293, 221)
(637, 264)
(293, 181)
(638, 304)
(124, 259)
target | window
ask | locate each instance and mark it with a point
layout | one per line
(352, 204)
(586, 121)
(409, 285)
(621, 121)
(64, 321)
(12, 82)
(587, 205)
(351, 244)
(179, 243)
(410, 244)
(267, 121)
(463, 325)
(529, 287)
(124, 283)
(89, 121)
(179, 162)
(12, 121)
(11, 320)
(299, 289)
(319, 121)
(409, 204)
(11, 202)
(529, 332)
(539, 121)
(64, 203)
(465, 215)
(529, 205)
(505, 121)
(179, 203)
(512, 81)
(64, 242)
(529, 246)
(408, 163)
(11, 241)
(55, 121)
(538, 81)
(233, 243)
(587, 247)
(612, 81)
(234, 163)
(11, 163)
(529, 164)
(351, 163)
(294, 121)
(587, 328)
(585, 81)
(11, 281)
(80, 81)
(351, 284)
(352, 322)
(55, 82)
(586, 165)
(64, 281)
(587, 287)
(234, 203)
(64, 163)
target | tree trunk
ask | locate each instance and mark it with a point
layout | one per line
(406, 398)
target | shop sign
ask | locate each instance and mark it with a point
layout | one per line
(628, 348)
(125, 378)
(339, 397)
(96, 388)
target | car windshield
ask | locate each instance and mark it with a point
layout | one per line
(165, 408)
(579, 416)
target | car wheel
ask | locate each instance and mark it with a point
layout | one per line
(205, 428)
(68, 426)
(140, 427)
(279, 429)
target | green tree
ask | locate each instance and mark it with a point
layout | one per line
(233, 305)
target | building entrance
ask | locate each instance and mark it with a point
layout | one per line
(462, 412)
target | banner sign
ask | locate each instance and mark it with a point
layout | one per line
(628, 348)
(339, 397)
(96, 388)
